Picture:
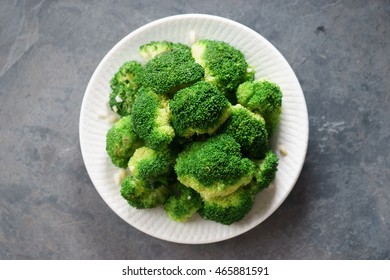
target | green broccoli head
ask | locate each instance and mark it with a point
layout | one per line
(228, 209)
(249, 130)
(151, 119)
(122, 141)
(154, 48)
(172, 70)
(265, 172)
(181, 206)
(225, 66)
(198, 109)
(140, 194)
(151, 165)
(263, 97)
(124, 87)
(214, 167)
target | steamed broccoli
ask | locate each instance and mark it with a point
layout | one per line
(140, 194)
(151, 165)
(181, 206)
(214, 167)
(172, 70)
(151, 119)
(186, 147)
(249, 130)
(124, 87)
(225, 66)
(262, 97)
(265, 172)
(228, 209)
(154, 48)
(121, 142)
(198, 109)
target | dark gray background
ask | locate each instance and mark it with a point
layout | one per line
(340, 206)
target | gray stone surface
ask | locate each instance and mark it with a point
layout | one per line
(340, 206)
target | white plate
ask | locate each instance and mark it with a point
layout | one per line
(267, 62)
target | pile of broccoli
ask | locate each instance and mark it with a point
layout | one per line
(194, 130)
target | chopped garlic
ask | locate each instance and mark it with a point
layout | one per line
(131, 168)
(112, 118)
(109, 117)
(102, 115)
(283, 150)
(249, 70)
(120, 176)
(118, 99)
(189, 197)
(192, 37)
(114, 108)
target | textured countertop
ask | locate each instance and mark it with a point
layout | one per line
(338, 209)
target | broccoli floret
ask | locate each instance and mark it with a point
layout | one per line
(151, 165)
(249, 130)
(141, 195)
(171, 71)
(228, 209)
(214, 167)
(225, 66)
(122, 141)
(263, 97)
(151, 119)
(181, 206)
(198, 109)
(266, 172)
(154, 48)
(124, 87)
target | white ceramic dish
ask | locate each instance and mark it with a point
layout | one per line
(268, 63)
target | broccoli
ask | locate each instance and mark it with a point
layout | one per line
(198, 109)
(262, 97)
(150, 165)
(154, 48)
(141, 195)
(249, 130)
(224, 65)
(151, 119)
(181, 206)
(124, 87)
(266, 172)
(214, 167)
(172, 70)
(194, 131)
(121, 142)
(228, 209)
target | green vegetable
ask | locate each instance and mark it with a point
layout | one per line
(198, 109)
(186, 147)
(151, 165)
(151, 119)
(154, 48)
(182, 205)
(214, 167)
(265, 172)
(121, 142)
(172, 70)
(264, 98)
(124, 87)
(228, 209)
(140, 194)
(249, 130)
(225, 66)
